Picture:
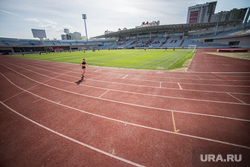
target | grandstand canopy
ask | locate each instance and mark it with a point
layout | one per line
(169, 29)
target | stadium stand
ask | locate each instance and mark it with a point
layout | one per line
(203, 35)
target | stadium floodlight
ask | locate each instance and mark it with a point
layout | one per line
(38, 33)
(84, 17)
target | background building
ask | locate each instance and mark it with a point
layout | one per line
(70, 36)
(201, 13)
(149, 24)
(232, 15)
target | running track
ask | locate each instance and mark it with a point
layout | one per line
(121, 117)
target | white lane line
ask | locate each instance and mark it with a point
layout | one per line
(199, 77)
(151, 80)
(71, 139)
(171, 77)
(236, 98)
(129, 123)
(36, 100)
(74, 65)
(24, 91)
(39, 83)
(190, 72)
(223, 77)
(124, 77)
(189, 90)
(180, 86)
(187, 78)
(103, 93)
(180, 98)
(98, 70)
(136, 105)
(13, 96)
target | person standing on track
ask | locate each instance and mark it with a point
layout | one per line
(83, 64)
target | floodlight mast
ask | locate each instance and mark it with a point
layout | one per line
(84, 17)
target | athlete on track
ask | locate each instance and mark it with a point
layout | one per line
(83, 64)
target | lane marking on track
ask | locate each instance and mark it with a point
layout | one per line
(180, 98)
(71, 139)
(169, 77)
(27, 89)
(36, 100)
(180, 86)
(75, 66)
(175, 130)
(160, 84)
(188, 90)
(146, 80)
(104, 93)
(124, 77)
(129, 123)
(199, 77)
(98, 70)
(13, 96)
(236, 98)
(39, 83)
(223, 77)
(132, 92)
(136, 105)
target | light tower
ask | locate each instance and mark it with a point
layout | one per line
(84, 17)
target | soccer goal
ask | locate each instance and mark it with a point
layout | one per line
(192, 48)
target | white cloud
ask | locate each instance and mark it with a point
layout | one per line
(48, 24)
(68, 27)
(55, 15)
(32, 20)
(9, 13)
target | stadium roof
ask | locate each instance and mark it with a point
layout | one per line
(169, 29)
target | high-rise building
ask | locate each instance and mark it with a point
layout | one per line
(232, 15)
(70, 36)
(201, 13)
(75, 35)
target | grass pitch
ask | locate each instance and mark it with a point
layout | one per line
(153, 59)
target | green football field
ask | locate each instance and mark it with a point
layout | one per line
(154, 59)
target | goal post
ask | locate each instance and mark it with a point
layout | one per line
(192, 48)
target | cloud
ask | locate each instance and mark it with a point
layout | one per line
(32, 20)
(48, 24)
(68, 27)
(101, 15)
(9, 13)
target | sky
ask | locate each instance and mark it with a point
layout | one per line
(18, 17)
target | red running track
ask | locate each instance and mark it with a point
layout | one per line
(121, 117)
